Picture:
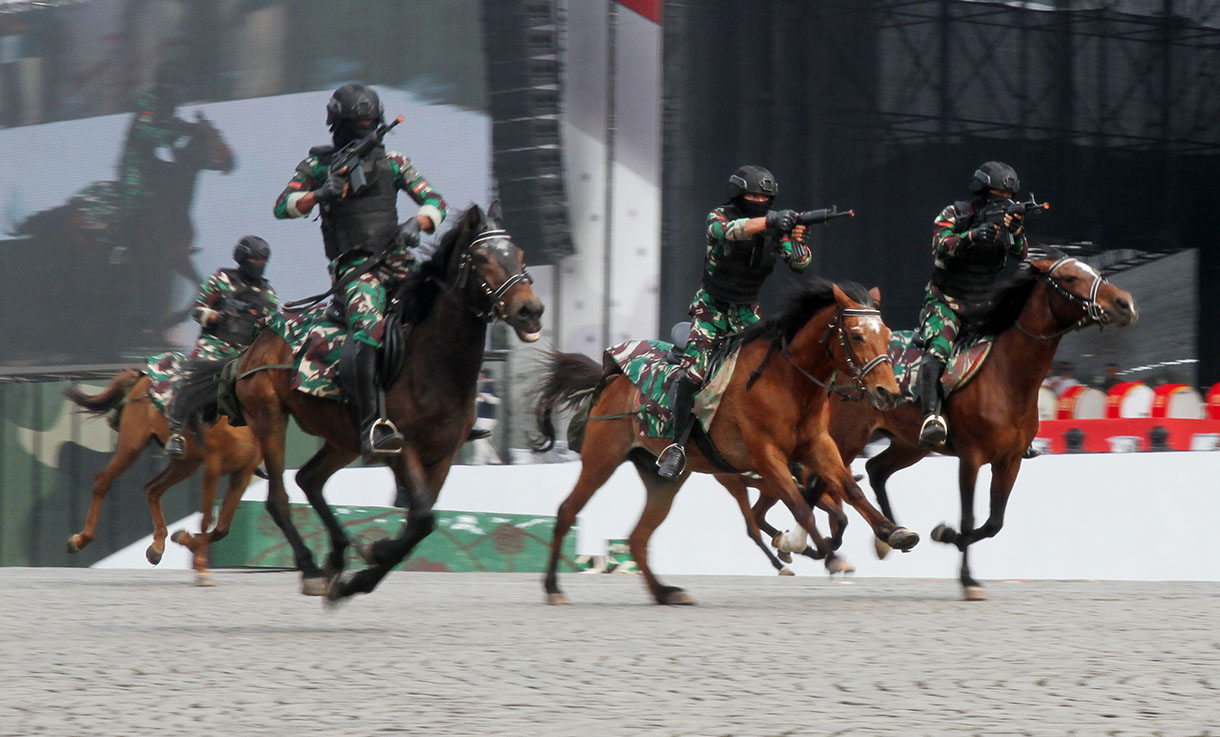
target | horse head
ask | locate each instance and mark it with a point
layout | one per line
(207, 148)
(493, 268)
(862, 348)
(1077, 294)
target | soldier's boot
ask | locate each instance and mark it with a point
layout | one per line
(175, 444)
(477, 433)
(934, 429)
(358, 376)
(672, 460)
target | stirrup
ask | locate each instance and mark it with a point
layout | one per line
(933, 431)
(175, 445)
(390, 444)
(671, 462)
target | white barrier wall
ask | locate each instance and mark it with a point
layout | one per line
(1133, 516)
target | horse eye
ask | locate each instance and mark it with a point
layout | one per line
(857, 338)
(1070, 279)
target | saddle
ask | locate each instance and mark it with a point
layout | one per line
(393, 342)
(968, 356)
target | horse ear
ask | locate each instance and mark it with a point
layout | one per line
(875, 293)
(494, 213)
(472, 218)
(840, 297)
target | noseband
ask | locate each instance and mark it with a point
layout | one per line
(1094, 313)
(495, 297)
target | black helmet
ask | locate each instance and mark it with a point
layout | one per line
(995, 175)
(354, 101)
(251, 248)
(752, 179)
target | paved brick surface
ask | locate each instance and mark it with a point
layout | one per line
(91, 652)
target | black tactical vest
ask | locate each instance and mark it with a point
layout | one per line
(969, 276)
(741, 267)
(364, 221)
(243, 310)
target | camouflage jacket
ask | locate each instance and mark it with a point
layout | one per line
(720, 230)
(149, 132)
(221, 287)
(964, 270)
(311, 173)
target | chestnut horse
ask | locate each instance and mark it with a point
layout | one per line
(994, 417)
(760, 426)
(225, 451)
(476, 275)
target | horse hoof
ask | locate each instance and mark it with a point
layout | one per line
(314, 586)
(882, 548)
(974, 593)
(786, 572)
(903, 539)
(153, 556)
(204, 578)
(839, 564)
(784, 556)
(179, 536)
(670, 596)
(74, 545)
(556, 599)
(365, 550)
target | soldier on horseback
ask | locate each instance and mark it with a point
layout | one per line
(361, 233)
(232, 305)
(744, 237)
(971, 242)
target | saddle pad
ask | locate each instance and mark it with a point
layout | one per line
(965, 361)
(316, 343)
(646, 366)
(163, 371)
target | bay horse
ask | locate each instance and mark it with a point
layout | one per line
(994, 418)
(55, 247)
(760, 426)
(477, 275)
(224, 451)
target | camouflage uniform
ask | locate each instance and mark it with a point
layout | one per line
(712, 319)
(210, 306)
(153, 127)
(364, 298)
(939, 320)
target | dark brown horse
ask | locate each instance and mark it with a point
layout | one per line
(224, 451)
(477, 275)
(994, 417)
(761, 426)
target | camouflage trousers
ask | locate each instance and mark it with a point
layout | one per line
(938, 326)
(709, 322)
(364, 300)
(211, 348)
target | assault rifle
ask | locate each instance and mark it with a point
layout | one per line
(347, 160)
(996, 212)
(823, 216)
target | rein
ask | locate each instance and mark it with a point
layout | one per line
(1094, 312)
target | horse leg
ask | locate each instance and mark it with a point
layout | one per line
(421, 491)
(124, 455)
(841, 484)
(596, 468)
(967, 476)
(740, 492)
(759, 510)
(199, 544)
(879, 469)
(815, 496)
(773, 467)
(311, 478)
(657, 503)
(1003, 476)
(156, 487)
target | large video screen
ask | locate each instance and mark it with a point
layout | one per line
(144, 139)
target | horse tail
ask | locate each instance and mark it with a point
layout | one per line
(108, 398)
(569, 379)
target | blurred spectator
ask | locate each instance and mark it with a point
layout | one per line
(1061, 379)
(486, 407)
(1110, 378)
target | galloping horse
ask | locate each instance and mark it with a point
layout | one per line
(57, 247)
(477, 275)
(994, 417)
(760, 426)
(224, 451)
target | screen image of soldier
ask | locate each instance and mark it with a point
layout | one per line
(487, 406)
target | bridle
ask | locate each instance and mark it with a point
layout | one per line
(495, 306)
(1094, 313)
(858, 370)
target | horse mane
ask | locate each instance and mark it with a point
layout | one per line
(803, 302)
(426, 285)
(999, 310)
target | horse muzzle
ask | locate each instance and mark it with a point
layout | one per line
(524, 316)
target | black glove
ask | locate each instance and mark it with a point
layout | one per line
(984, 234)
(781, 221)
(408, 233)
(1015, 226)
(331, 189)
